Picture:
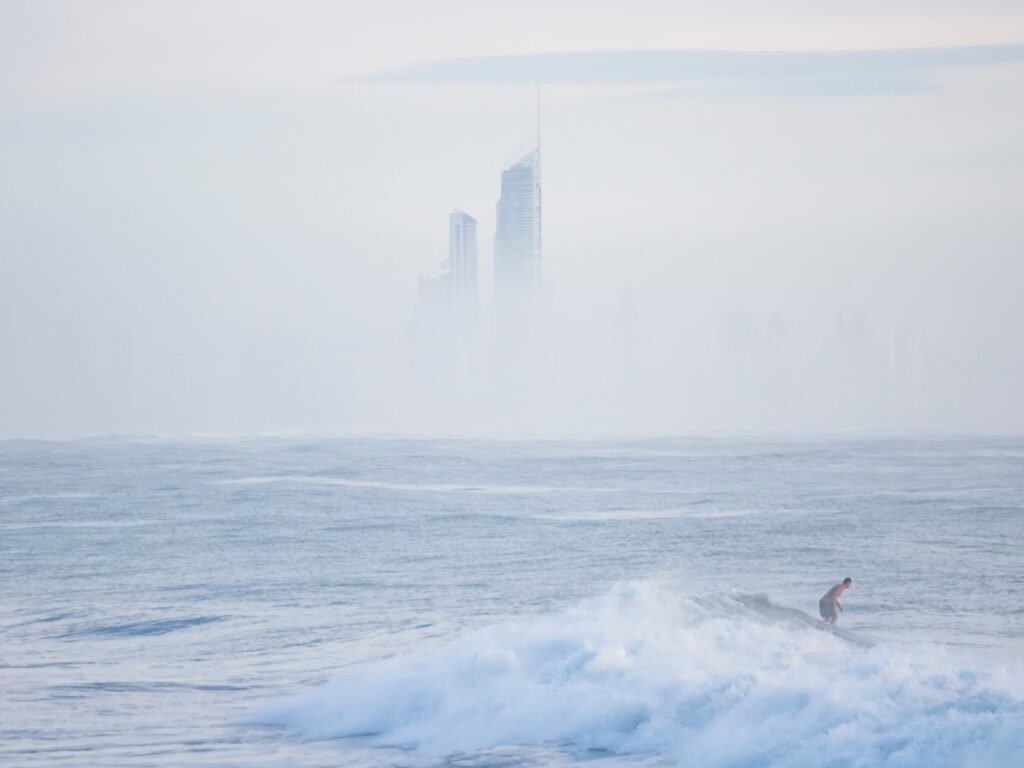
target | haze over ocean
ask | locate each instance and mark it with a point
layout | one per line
(477, 384)
(314, 602)
(234, 218)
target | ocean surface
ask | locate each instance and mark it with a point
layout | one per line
(335, 602)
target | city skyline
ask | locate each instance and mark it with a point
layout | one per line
(854, 373)
(229, 244)
(447, 314)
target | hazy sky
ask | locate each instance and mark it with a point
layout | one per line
(213, 214)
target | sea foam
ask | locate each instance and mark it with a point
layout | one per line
(729, 681)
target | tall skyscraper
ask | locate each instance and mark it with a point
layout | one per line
(462, 262)
(517, 243)
(446, 317)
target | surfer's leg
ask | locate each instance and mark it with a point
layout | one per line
(828, 613)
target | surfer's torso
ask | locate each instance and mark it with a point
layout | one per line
(832, 596)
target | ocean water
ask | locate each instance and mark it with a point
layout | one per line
(329, 602)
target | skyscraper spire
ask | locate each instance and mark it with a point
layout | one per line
(538, 120)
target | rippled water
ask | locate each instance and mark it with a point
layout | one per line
(295, 602)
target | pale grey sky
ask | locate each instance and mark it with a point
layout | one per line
(212, 215)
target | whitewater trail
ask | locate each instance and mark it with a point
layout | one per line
(761, 607)
(732, 680)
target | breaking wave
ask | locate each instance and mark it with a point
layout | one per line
(728, 681)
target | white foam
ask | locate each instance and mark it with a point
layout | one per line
(641, 670)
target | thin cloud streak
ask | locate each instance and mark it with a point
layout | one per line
(896, 71)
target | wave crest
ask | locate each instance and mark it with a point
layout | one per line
(732, 681)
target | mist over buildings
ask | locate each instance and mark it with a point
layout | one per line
(764, 246)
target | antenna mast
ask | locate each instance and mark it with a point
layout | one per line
(538, 116)
(538, 134)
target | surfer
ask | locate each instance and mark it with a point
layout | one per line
(830, 601)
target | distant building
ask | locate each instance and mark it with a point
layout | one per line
(433, 302)
(517, 242)
(462, 263)
(445, 320)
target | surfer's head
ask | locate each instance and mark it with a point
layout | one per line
(848, 582)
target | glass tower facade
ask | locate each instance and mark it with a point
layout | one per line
(517, 243)
(462, 261)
